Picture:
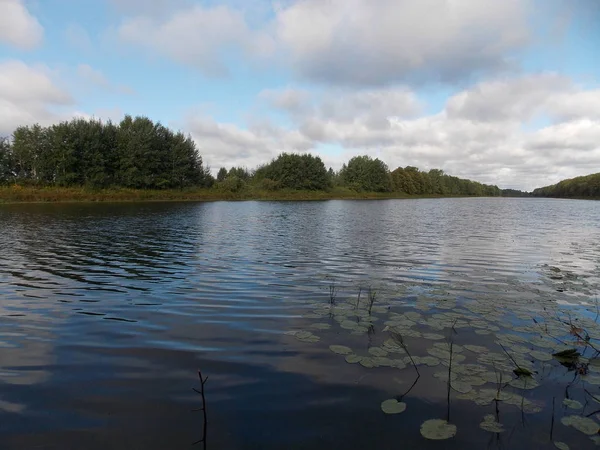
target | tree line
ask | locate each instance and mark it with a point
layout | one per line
(140, 154)
(580, 187)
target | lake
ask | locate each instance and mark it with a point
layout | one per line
(107, 311)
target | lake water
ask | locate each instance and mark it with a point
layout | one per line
(107, 311)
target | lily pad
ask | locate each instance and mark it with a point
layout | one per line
(540, 356)
(583, 424)
(437, 429)
(353, 359)
(573, 404)
(524, 383)
(340, 349)
(476, 348)
(393, 406)
(561, 445)
(377, 351)
(490, 424)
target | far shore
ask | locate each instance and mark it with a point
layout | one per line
(27, 194)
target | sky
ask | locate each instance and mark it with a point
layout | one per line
(502, 92)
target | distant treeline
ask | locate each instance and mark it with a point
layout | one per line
(580, 187)
(140, 154)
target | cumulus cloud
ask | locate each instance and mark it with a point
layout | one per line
(477, 135)
(197, 36)
(385, 41)
(226, 145)
(344, 42)
(29, 94)
(18, 27)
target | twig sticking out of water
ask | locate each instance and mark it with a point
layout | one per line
(552, 421)
(451, 344)
(372, 295)
(358, 299)
(332, 294)
(203, 409)
(519, 371)
(399, 339)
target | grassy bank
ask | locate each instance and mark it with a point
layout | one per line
(22, 194)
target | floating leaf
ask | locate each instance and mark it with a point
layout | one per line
(368, 362)
(583, 424)
(393, 406)
(353, 359)
(490, 424)
(524, 383)
(522, 372)
(377, 351)
(433, 336)
(573, 404)
(437, 429)
(540, 356)
(340, 349)
(476, 348)
(561, 445)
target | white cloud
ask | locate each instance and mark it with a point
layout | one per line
(29, 94)
(226, 145)
(478, 135)
(356, 42)
(385, 41)
(18, 27)
(198, 36)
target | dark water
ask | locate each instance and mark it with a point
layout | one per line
(107, 312)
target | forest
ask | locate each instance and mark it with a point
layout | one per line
(140, 154)
(580, 187)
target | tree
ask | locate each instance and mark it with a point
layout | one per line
(362, 173)
(294, 171)
(6, 161)
(222, 174)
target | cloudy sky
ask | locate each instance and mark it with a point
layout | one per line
(503, 92)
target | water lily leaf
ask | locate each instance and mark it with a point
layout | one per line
(461, 386)
(524, 383)
(368, 362)
(393, 406)
(377, 351)
(353, 359)
(540, 356)
(340, 349)
(437, 429)
(583, 424)
(573, 404)
(320, 326)
(490, 424)
(522, 372)
(476, 348)
(561, 445)
(433, 336)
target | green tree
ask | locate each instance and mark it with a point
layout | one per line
(362, 173)
(294, 171)
(222, 174)
(6, 161)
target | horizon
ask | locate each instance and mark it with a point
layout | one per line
(503, 94)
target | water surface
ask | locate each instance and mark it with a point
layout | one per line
(108, 310)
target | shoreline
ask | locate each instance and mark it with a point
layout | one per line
(21, 195)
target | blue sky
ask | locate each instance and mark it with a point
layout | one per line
(501, 92)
